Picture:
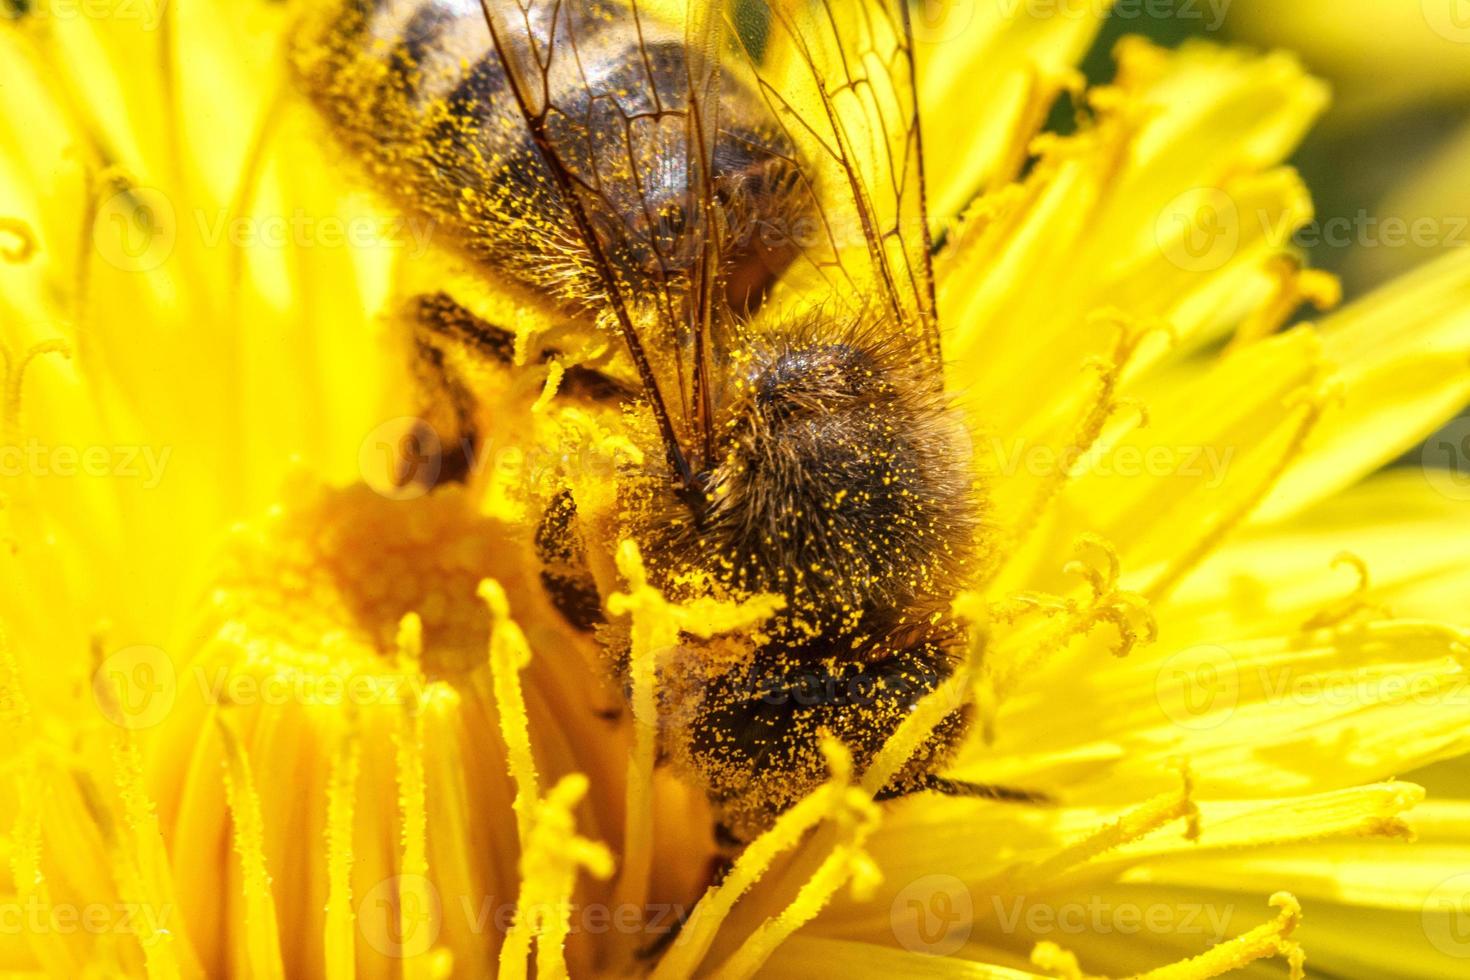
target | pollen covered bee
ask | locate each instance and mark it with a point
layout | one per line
(737, 194)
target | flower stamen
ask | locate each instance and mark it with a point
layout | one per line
(549, 866)
(261, 935)
(14, 378)
(1127, 612)
(1101, 409)
(509, 655)
(1294, 285)
(413, 881)
(1130, 826)
(1265, 941)
(657, 624)
(1353, 604)
(341, 805)
(855, 817)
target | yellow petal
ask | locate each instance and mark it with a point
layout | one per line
(1402, 359)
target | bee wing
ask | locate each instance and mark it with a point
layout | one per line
(839, 75)
(592, 81)
(622, 100)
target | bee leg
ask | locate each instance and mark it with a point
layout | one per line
(564, 573)
(656, 949)
(444, 333)
(726, 838)
(930, 783)
(445, 438)
(719, 867)
(442, 330)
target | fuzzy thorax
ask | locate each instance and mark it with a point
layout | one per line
(842, 480)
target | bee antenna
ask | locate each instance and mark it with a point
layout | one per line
(966, 789)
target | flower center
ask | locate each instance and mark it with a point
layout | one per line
(330, 578)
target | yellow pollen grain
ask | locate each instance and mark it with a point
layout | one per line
(262, 950)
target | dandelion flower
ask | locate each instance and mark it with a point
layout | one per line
(272, 714)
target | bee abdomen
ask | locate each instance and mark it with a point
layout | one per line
(417, 90)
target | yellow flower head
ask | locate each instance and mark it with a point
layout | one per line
(302, 675)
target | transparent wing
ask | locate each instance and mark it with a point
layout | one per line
(704, 150)
(607, 95)
(839, 77)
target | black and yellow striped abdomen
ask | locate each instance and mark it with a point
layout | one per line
(418, 90)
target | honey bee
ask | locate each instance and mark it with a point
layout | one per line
(687, 176)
